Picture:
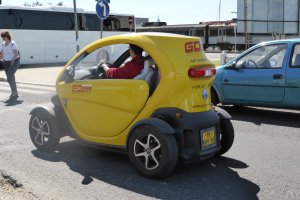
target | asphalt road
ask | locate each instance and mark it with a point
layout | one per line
(264, 162)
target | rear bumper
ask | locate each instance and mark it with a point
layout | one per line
(188, 132)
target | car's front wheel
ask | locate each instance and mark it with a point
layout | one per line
(152, 153)
(43, 132)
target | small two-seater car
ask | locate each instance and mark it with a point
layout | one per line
(161, 116)
(267, 74)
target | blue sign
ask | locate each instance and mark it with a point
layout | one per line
(102, 9)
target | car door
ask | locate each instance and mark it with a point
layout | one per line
(99, 108)
(259, 76)
(292, 92)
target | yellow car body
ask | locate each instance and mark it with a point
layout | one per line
(124, 106)
(155, 125)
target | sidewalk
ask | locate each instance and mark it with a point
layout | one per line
(37, 75)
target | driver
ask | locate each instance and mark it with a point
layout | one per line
(128, 70)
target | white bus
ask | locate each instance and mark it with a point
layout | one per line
(47, 34)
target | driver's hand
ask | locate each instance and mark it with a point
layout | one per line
(100, 65)
(95, 72)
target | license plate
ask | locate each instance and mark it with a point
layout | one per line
(208, 138)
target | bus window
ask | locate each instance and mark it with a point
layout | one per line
(10, 19)
(57, 21)
(92, 22)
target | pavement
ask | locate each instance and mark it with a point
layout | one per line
(36, 74)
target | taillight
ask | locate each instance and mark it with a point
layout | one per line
(201, 72)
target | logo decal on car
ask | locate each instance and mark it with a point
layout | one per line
(204, 94)
(191, 47)
(82, 88)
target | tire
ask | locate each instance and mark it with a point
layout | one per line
(214, 97)
(226, 136)
(151, 152)
(43, 131)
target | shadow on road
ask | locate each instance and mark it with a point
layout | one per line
(258, 116)
(12, 102)
(212, 179)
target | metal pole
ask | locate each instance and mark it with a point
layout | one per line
(246, 23)
(101, 28)
(219, 10)
(76, 25)
(0, 2)
(235, 40)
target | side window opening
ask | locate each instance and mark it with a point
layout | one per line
(114, 55)
(295, 58)
(266, 57)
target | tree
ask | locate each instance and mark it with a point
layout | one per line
(37, 3)
(60, 3)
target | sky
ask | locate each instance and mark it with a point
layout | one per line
(170, 11)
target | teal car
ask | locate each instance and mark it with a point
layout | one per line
(267, 74)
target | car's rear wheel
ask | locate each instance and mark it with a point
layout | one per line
(152, 153)
(226, 136)
(43, 132)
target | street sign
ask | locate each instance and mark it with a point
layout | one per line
(102, 9)
(130, 20)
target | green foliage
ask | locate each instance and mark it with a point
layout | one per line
(60, 3)
(37, 3)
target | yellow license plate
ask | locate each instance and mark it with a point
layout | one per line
(208, 138)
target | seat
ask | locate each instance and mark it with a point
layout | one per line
(296, 60)
(147, 71)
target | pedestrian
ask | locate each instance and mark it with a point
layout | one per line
(11, 61)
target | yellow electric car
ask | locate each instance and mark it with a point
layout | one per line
(162, 116)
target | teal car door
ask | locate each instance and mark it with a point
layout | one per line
(259, 76)
(292, 91)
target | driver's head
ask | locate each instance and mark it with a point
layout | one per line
(136, 49)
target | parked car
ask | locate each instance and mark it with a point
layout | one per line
(157, 118)
(267, 74)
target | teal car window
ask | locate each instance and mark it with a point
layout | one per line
(270, 56)
(296, 57)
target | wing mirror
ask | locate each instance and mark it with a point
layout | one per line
(240, 64)
(237, 65)
(69, 74)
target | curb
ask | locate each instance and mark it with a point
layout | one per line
(2, 79)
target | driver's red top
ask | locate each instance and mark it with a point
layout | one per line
(130, 70)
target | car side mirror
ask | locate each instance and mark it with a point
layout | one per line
(240, 64)
(69, 74)
(237, 65)
(232, 66)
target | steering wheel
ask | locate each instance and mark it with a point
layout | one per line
(251, 61)
(98, 73)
